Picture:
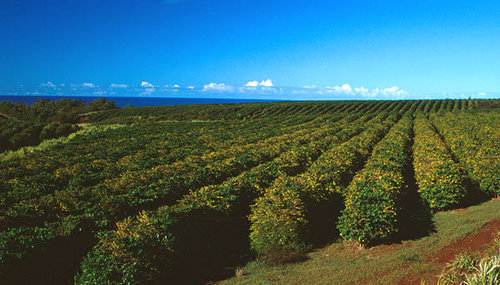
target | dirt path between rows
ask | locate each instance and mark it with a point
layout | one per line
(472, 243)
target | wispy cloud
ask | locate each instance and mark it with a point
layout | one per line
(148, 91)
(363, 92)
(218, 87)
(171, 86)
(114, 85)
(88, 85)
(264, 89)
(48, 84)
(481, 95)
(75, 86)
(99, 93)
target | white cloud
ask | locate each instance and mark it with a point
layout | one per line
(218, 87)
(146, 84)
(263, 83)
(100, 92)
(266, 83)
(172, 86)
(82, 85)
(252, 89)
(393, 92)
(48, 84)
(88, 85)
(266, 87)
(363, 91)
(346, 89)
(252, 84)
(114, 85)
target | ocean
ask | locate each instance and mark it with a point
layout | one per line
(135, 101)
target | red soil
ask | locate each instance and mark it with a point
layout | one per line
(82, 119)
(472, 243)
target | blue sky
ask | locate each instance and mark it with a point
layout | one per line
(384, 49)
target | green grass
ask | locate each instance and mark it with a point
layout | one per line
(344, 263)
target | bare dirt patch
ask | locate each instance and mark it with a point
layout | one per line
(472, 243)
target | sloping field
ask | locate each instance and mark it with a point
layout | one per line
(186, 194)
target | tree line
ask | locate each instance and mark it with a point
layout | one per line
(24, 125)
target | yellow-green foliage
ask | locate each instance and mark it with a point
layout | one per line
(372, 199)
(439, 178)
(72, 183)
(475, 140)
(206, 222)
(280, 219)
(188, 186)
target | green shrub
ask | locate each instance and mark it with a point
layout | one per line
(372, 199)
(440, 180)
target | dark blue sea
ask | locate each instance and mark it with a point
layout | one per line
(135, 101)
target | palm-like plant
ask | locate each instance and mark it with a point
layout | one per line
(487, 272)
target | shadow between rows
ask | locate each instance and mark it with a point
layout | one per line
(57, 263)
(415, 217)
(217, 250)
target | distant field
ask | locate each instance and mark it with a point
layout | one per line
(187, 194)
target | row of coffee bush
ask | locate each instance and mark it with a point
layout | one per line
(207, 227)
(440, 180)
(26, 196)
(372, 199)
(63, 214)
(475, 141)
(283, 218)
(131, 115)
